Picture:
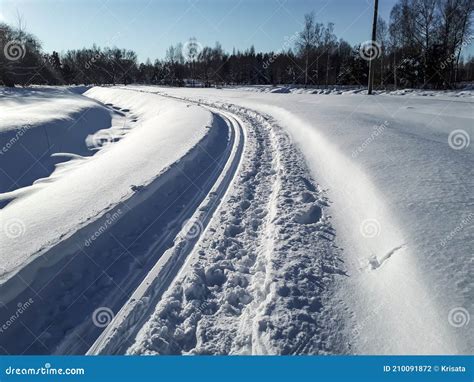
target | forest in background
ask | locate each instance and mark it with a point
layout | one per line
(421, 46)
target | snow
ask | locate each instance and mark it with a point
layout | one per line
(232, 297)
(46, 228)
(100, 183)
(467, 91)
(256, 220)
(396, 196)
(135, 312)
(38, 122)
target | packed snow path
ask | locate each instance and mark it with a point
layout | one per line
(260, 278)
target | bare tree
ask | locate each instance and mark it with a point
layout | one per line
(307, 41)
(382, 33)
(191, 54)
(456, 21)
(425, 23)
(329, 46)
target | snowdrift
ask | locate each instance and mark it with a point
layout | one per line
(94, 185)
(38, 123)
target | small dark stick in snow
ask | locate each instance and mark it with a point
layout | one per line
(136, 188)
(374, 262)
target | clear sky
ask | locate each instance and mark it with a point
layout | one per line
(150, 26)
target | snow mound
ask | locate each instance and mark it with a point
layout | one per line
(36, 124)
(162, 129)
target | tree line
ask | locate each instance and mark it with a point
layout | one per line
(422, 45)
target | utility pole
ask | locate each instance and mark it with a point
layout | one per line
(374, 39)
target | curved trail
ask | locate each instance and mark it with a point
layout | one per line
(259, 279)
(380, 275)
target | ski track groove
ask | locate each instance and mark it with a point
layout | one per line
(132, 315)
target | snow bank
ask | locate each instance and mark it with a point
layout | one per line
(159, 132)
(38, 122)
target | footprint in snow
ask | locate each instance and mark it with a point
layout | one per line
(309, 215)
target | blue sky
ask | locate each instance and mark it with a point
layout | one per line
(150, 26)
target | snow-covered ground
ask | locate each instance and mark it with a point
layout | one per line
(467, 91)
(84, 233)
(86, 187)
(318, 223)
